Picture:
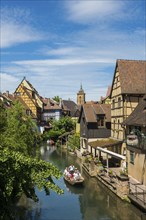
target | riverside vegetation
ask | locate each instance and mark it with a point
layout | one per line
(20, 167)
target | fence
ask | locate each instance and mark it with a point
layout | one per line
(138, 192)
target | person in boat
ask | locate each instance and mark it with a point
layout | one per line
(71, 168)
(67, 173)
(77, 175)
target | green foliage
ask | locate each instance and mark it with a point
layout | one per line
(73, 142)
(21, 133)
(20, 172)
(65, 124)
(54, 135)
(56, 98)
(3, 115)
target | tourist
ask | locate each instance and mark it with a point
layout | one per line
(77, 175)
(71, 168)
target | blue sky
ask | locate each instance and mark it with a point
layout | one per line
(57, 45)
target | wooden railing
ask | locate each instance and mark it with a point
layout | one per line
(138, 192)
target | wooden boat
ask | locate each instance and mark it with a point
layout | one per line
(74, 182)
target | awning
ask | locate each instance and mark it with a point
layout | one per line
(106, 142)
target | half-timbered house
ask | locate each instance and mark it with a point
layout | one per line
(31, 98)
(128, 88)
(136, 142)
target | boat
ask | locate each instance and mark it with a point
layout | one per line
(74, 182)
(73, 176)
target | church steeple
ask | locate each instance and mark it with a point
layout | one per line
(81, 89)
(80, 96)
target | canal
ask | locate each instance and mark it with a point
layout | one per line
(92, 201)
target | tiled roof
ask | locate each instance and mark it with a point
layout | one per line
(132, 74)
(89, 113)
(138, 116)
(92, 110)
(50, 104)
(70, 106)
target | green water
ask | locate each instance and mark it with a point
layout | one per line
(92, 201)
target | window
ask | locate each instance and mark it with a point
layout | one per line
(114, 126)
(132, 157)
(33, 95)
(118, 124)
(18, 93)
(28, 112)
(119, 102)
(113, 104)
(100, 121)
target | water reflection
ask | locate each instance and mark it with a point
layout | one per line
(93, 201)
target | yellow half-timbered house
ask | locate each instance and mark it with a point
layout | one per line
(31, 97)
(128, 88)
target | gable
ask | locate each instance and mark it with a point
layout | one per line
(26, 86)
(116, 84)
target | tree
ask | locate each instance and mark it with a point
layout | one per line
(21, 132)
(56, 98)
(73, 142)
(19, 171)
(65, 124)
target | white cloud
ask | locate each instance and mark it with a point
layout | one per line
(61, 62)
(13, 34)
(59, 51)
(87, 11)
(8, 82)
(15, 29)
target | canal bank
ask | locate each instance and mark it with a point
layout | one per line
(124, 186)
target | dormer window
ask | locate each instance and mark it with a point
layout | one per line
(101, 121)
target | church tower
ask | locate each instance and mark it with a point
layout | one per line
(80, 96)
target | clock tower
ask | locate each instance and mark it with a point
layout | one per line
(81, 96)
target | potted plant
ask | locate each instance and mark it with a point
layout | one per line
(123, 175)
(111, 175)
